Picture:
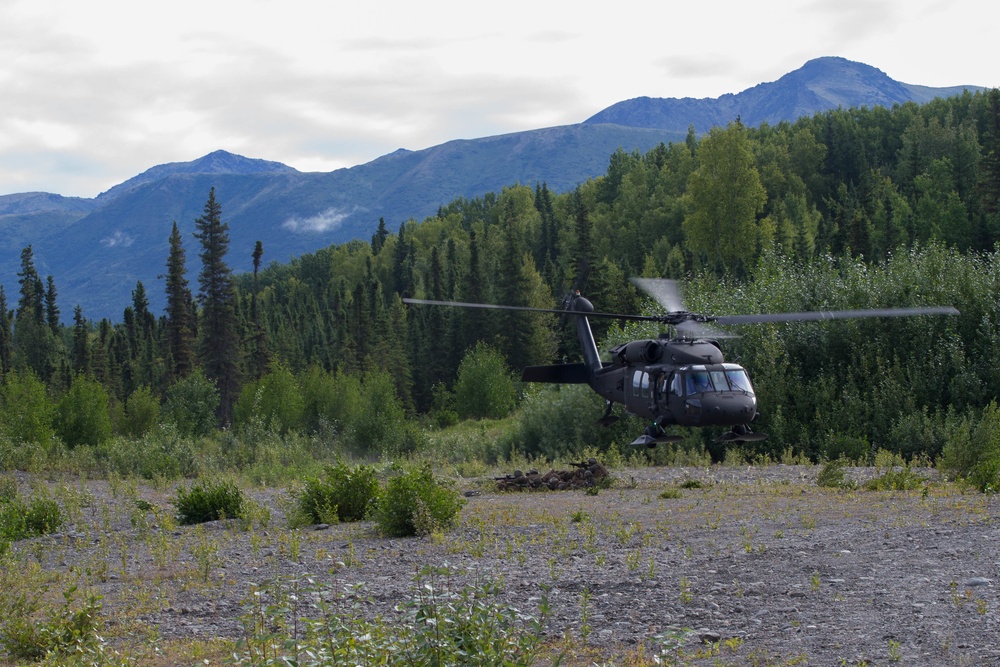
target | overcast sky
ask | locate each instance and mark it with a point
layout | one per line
(93, 93)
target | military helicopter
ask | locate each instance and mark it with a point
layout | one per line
(673, 380)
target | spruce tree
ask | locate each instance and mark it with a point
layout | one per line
(51, 309)
(30, 302)
(81, 343)
(259, 353)
(180, 326)
(6, 347)
(219, 340)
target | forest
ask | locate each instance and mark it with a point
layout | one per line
(852, 208)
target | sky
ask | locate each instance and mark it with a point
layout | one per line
(93, 93)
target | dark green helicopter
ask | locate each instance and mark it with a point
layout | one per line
(674, 380)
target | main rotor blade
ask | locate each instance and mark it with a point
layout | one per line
(530, 309)
(666, 292)
(834, 315)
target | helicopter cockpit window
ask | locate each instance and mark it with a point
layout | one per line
(675, 385)
(636, 381)
(645, 384)
(739, 381)
(698, 382)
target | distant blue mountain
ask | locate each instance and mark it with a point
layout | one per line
(97, 249)
(820, 85)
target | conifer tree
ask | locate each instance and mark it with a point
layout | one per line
(379, 237)
(30, 301)
(219, 340)
(51, 309)
(81, 343)
(259, 354)
(180, 329)
(6, 349)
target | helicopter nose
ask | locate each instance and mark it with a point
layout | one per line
(728, 408)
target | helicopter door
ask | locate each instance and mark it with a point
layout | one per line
(639, 396)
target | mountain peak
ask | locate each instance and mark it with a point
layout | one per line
(821, 84)
(216, 162)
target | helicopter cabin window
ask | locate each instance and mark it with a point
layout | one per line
(640, 383)
(739, 381)
(675, 384)
(698, 382)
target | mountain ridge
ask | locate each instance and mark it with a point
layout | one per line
(96, 249)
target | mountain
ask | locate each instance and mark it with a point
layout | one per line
(97, 249)
(819, 85)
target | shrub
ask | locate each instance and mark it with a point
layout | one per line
(275, 400)
(342, 494)
(160, 453)
(560, 421)
(379, 426)
(82, 416)
(832, 475)
(208, 502)
(484, 388)
(67, 635)
(27, 411)
(313, 624)
(20, 520)
(972, 451)
(415, 503)
(191, 405)
(330, 401)
(142, 413)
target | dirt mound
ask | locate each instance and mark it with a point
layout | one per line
(586, 473)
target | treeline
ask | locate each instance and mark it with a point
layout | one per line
(796, 216)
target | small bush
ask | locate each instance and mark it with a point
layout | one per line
(342, 494)
(191, 405)
(832, 475)
(299, 621)
(901, 479)
(972, 451)
(35, 626)
(82, 416)
(414, 503)
(20, 520)
(209, 502)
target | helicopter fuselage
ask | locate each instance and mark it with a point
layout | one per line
(677, 382)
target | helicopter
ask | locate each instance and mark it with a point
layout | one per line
(679, 379)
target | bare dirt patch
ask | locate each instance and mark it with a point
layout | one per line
(761, 560)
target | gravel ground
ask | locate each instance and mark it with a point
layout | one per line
(762, 560)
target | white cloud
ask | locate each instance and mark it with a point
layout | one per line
(326, 221)
(351, 82)
(117, 239)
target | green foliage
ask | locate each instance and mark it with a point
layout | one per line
(65, 635)
(27, 412)
(832, 475)
(559, 421)
(972, 451)
(379, 427)
(162, 453)
(331, 402)
(303, 622)
(20, 520)
(142, 413)
(191, 405)
(82, 416)
(415, 503)
(209, 501)
(275, 400)
(343, 493)
(484, 388)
